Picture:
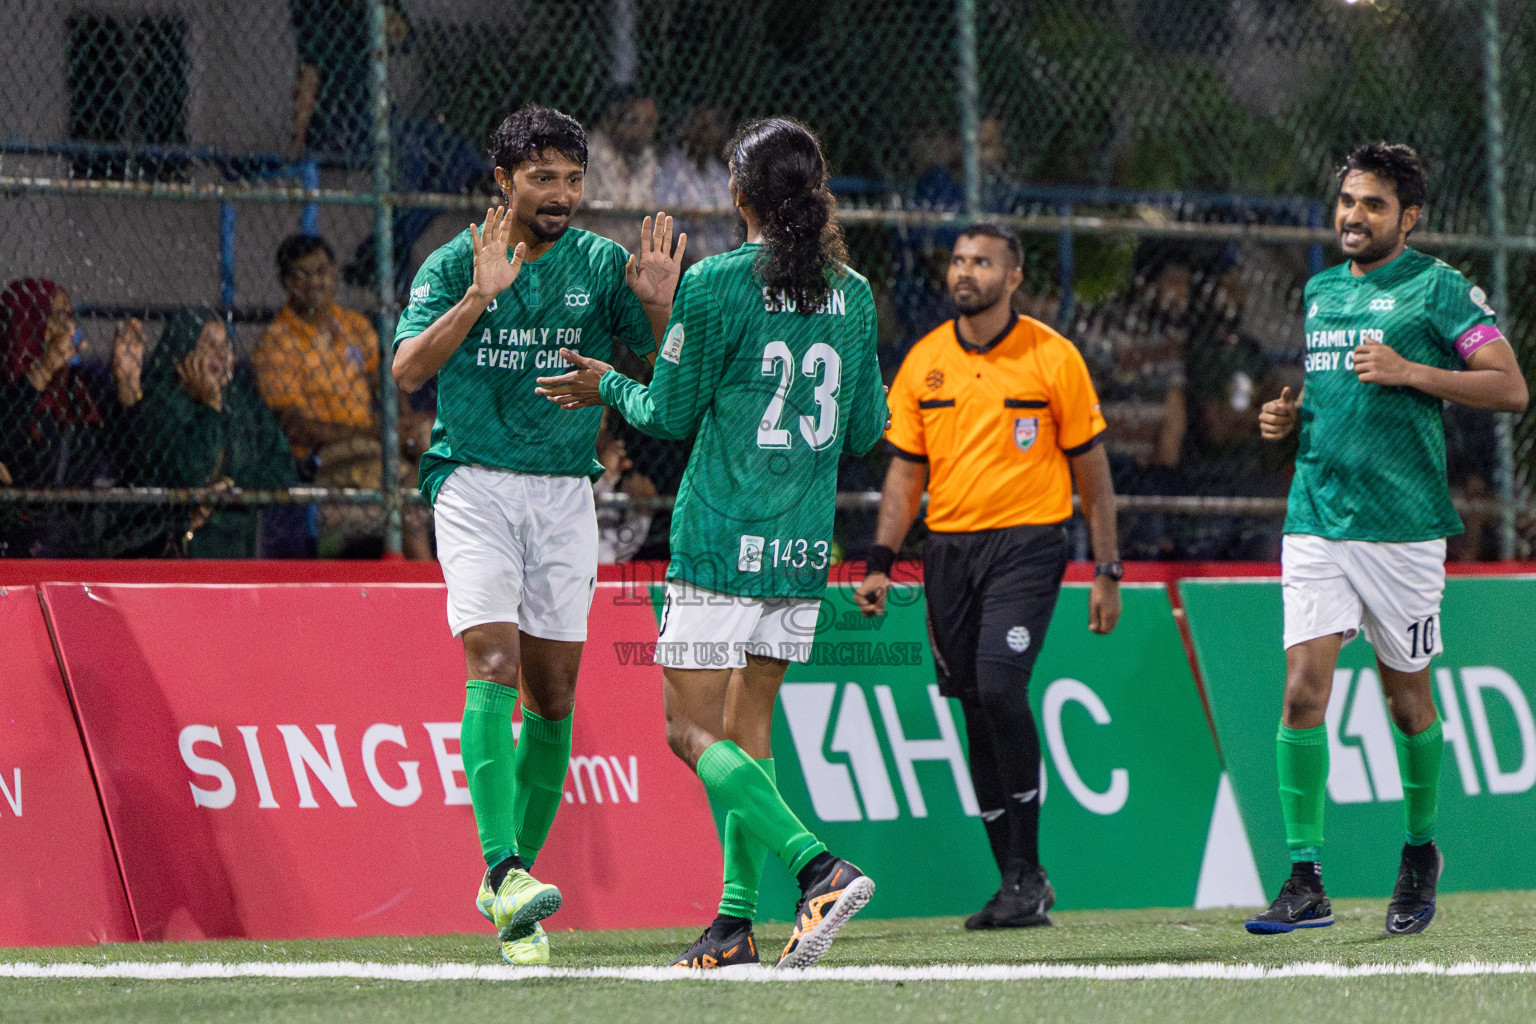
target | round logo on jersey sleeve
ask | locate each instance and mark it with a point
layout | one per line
(1480, 300)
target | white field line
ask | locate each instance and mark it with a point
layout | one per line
(162, 971)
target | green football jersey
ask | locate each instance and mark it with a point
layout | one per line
(487, 413)
(775, 398)
(1371, 463)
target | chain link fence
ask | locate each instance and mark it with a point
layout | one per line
(174, 384)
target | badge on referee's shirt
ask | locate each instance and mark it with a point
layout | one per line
(1025, 430)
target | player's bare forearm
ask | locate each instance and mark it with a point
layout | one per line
(1095, 487)
(900, 499)
(659, 316)
(1492, 380)
(418, 358)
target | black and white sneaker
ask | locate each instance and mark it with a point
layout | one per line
(1413, 898)
(1301, 904)
(1025, 900)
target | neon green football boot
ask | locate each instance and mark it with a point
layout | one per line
(520, 904)
(532, 950)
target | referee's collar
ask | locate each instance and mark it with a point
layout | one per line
(1013, 321)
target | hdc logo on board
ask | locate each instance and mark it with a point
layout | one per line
(592, 778)
(862, 789)
(1363, 758)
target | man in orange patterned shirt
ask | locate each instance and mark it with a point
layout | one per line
(317, 366)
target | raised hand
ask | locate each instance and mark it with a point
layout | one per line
(494, 272)
(202, 382)
(58, 350)
(128, 361)
(577, 389)
(654, 267)
(1277, 418)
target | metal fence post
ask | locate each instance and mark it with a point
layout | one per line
(1493, 106)
(965, 12)
(384, 253)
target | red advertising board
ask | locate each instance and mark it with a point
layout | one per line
(59, 883)
(282, 761)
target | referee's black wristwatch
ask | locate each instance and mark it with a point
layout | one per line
(1114, 570)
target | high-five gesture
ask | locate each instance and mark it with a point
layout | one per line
(1278, 417)
(654, 267)
(494, 272)
(578, 388)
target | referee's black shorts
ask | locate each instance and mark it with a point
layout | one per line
(990, 595)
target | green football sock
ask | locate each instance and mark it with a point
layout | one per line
(1418, 761)
(1302, 757)
(485, 743)
(734, 781)
(543, 754)
(744, 855)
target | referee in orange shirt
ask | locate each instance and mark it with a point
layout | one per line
(994, 414)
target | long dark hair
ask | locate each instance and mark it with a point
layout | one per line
(781, 173)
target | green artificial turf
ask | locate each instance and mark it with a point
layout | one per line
(1470, 926)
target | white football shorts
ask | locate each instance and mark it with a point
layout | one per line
(1390, 591)
(701, 629)
(520, 548)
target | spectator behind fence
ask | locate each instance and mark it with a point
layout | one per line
(693, 176)
(920, 292)
(333, 116)
(201, 424)
(621, 531)
(621, 165)
(55, 432)
(1229, 378)
(317, 366)
(1135, 347)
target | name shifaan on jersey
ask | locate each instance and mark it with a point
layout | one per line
(774, 398)
(1371, 461)
(574, 296)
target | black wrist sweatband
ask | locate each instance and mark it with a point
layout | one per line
(880, 559)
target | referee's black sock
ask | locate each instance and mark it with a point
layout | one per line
(1003, 689)
(990, 798)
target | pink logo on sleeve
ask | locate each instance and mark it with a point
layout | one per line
(1476, 338)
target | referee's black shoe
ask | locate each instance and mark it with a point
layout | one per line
(982, 919)
(1025, 899)
(1413, 899)
(1302, 903)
